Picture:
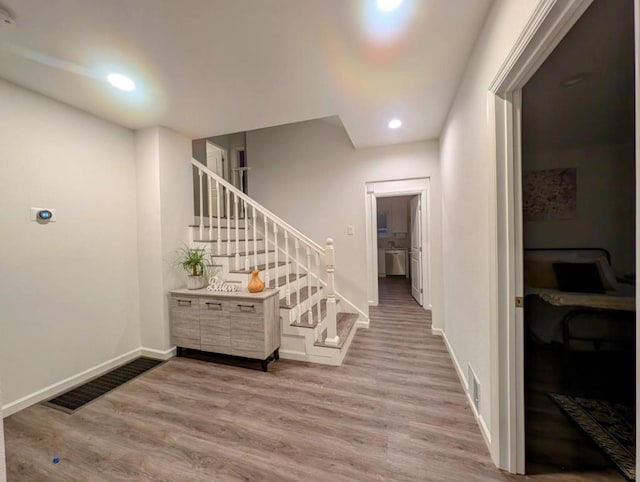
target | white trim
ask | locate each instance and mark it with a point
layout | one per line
(68, 383)
(158, 354)
(484, 429)
(391, 188)
(548, 24)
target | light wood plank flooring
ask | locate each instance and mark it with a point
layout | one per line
(394, 411)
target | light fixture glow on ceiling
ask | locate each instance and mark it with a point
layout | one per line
(121, 82)
(394, 123)
(388, 5)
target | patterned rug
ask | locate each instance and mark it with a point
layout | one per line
(610, 425)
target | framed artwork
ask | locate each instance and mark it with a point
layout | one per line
(549, 194)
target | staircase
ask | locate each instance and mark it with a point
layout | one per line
(239, 235)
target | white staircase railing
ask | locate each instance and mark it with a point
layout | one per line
(225, 195)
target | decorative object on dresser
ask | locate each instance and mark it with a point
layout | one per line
(192, 261)
(232, 323)
(256, 285)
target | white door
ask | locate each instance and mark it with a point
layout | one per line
(215, 162)
(416, 249)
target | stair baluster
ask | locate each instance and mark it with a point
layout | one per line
(255, 238)
(310, 309)
(275, 239)
(228, 222)
(318, 312)
(219, 239)
(210, 192)
(332, 329)
(266, 252)
(287, 267)
(201, 205)
(246, 237)
(236, 242)
(297, 261)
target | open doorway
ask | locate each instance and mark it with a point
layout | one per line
(578, 193)
(398, 244)
(399, 240)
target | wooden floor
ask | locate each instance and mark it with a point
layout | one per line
(394, 411)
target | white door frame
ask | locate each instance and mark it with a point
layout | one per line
(549, 23)
(401, 187)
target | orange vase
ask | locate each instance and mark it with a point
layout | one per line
(256, 285)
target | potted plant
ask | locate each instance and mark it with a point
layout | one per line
(192, 261)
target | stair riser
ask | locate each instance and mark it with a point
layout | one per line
(241, 246)
(244, 279)
(291, 314)
(223, 222)
(195, 235)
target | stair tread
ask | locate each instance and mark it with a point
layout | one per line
(222, 228)
(304, 294)
(242, 253)
(224, 240)
(282, 280)
(344, 323)
(261, 267)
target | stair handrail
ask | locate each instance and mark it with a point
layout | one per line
(259, 207)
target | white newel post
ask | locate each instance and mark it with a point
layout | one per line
(287, 269)
(332, 326)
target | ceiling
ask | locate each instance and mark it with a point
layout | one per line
(210, 67)
(598, 110)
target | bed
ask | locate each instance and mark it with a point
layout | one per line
(572, 297)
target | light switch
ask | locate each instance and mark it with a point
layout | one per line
(350, 229)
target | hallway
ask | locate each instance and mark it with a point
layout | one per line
(395, 411)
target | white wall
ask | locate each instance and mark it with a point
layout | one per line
(605, 194)
(165, 209)
(68, 290)
(466, 159)
(310, 175)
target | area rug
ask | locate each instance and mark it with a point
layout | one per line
(610, 425)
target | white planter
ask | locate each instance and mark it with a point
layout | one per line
(195, 282)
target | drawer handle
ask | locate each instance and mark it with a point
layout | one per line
(214, 306)
(184, 302)
(247, 308)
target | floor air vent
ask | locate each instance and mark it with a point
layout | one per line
(474, 389)
(78, 397)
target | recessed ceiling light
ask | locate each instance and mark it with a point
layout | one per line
(388, 5)
(121, 82)
(394, 123)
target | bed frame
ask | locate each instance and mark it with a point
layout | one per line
(572, 320)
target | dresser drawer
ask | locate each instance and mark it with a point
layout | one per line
(185, 320)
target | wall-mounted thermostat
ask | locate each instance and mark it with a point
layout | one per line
(43, 215)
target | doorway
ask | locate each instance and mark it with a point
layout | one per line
(398, 243)
(542, 34)
(578, 198)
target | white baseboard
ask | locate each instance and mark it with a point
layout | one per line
(67, 383)
(158, 354)
(363, 323)
(484, 430)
